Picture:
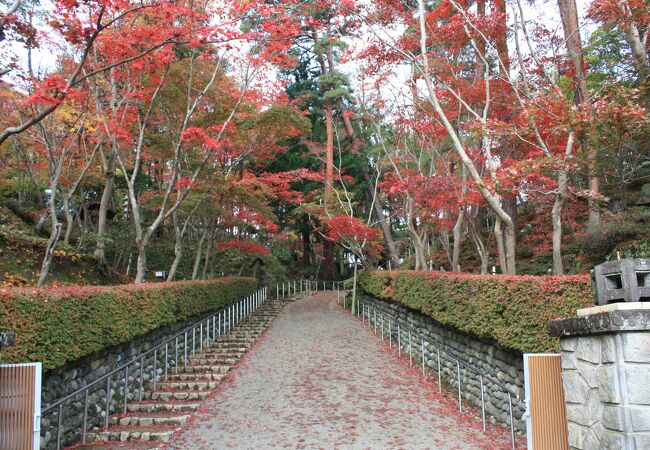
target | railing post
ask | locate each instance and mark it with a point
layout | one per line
(399, 340)
(439, 374)
(390, 334)
(140, 387)
(126, 388)
(482, 402)
(423, 356)
(108, 401)
(185, 350)
(512, 422)
(410, 350)
(85, 424)
(460, 404)
(59, 425)
(176, 355)
(155, 366)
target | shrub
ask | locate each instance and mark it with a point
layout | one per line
(56, 326)
(512, 311)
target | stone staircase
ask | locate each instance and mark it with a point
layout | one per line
(153, 421)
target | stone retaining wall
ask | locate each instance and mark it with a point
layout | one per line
(606, 376)
(485, 357)
(65, 380)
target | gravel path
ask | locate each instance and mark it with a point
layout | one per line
(319, 379)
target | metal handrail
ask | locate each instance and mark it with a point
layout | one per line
(132, 361)
(440, 348)
(232, 314)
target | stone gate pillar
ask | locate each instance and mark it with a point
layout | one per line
(606, 375)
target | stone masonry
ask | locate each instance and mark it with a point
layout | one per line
(487, 358)
(606, 376)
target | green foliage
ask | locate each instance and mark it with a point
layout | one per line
(56, 326)
(512, 311)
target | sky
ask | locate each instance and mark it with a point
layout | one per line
(546, 11)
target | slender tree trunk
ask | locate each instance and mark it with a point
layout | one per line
(141, 266)
(383, 223)
(458, 236)
(510, 244)
(571, 27)
(480, 249)
(42, 220)
(634, 40)
(49, 254)
(500, 238)
(306, 247)
(328, 246)
(102, 222)
(55, 232)
(209, 250)
(69, 218)
(178, 248)
(556, 214)
(199, 251)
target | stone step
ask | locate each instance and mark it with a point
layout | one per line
(222, 352)
(133, 433)
(151, 422)
(206, 368)
(238, 346)
(153, 419)
(155, 406)
(213, 361)
(190, 376)
(119, 445)
(189, 385)
(174, 394)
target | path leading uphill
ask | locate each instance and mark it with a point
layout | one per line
(319, 379)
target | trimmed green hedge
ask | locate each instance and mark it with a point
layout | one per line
(512, 311)
(56, 326)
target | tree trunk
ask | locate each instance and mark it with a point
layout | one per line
(69, 218)
(458, 235)
(328, 246)
(571, 27)
(306, 247)
(480, 249)
(104, 204)
(556, 214)
(178, 248)
(141, 268)
(208, 251)
(510, 244)
(328, 268)
(393, 256)
(634, 40)
(42, 220)
(503, 236)
(49, 254)
(199, 252)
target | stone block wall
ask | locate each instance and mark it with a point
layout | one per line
(487, 358)
(607, 390)
(65, 380)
